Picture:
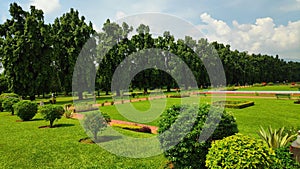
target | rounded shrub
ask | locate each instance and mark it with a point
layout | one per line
(190, 152)
(51, 113)
(26, 110)
(239, 151)
(8, 103)
(4, 96)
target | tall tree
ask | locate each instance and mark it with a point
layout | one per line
(25, 51)
(70, 33)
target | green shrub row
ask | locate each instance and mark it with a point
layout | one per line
(234, 104)
(179, 95)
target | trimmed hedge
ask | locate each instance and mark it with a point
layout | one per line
(189, 152)
(26, 110)
(234, 104)
(179, 96)
(239, 151)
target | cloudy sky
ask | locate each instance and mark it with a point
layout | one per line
(258, 26)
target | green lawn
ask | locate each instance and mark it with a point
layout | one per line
(270, 88)
(24, 145)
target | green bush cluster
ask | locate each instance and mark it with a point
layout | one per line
(8, 103)
(25, 109)
(239, 151)
(5, 96)
(284, 159)
(190, 152)
(51, 113)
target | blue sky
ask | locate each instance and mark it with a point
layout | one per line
(258, 26)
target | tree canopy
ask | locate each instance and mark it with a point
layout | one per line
(39, 58)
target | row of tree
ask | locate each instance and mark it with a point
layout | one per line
(39, 58)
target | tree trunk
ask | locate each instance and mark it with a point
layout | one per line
(80, 97)
(98, 93)
(95, 135)
(118, 93)
(168, 88)
(51, 123)
(145, 90)
(106, 92)
(32, 97)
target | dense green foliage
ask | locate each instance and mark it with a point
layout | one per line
(239, 151)
(49, 53)
(284, 159)
(190, 152)
(39, 58)
(94, 122)
(4, 96)
(8, 103)
(26, 110)
(276, 138)
(51, 112)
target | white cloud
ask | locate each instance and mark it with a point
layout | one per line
(261, 37)
(3, 18)
(47, 6)
(119, 15)
(294, 6)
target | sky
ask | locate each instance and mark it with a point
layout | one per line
(269, 27)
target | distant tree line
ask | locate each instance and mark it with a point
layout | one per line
(39, 58)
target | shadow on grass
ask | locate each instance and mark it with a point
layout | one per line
(58, 125)
(101, 139)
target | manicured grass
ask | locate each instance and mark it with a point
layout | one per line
(24, 145)
(270, 88)
(266, 112)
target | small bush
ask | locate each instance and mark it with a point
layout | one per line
(239, 151)
(9, 95)
(4, 96)
(26, 110)
(189, 152)
(94, 123)
(284, 159)
(8, 103)
(51, 113)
